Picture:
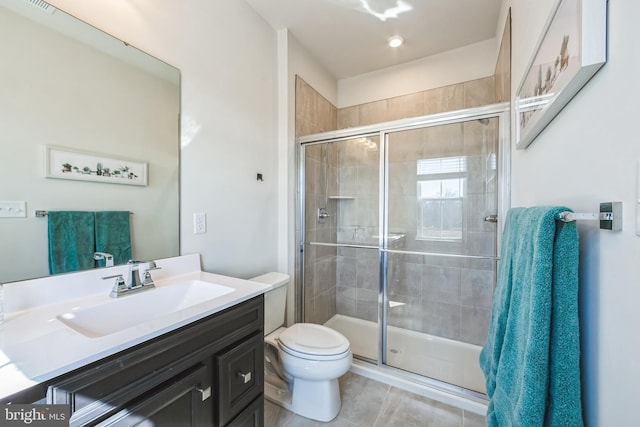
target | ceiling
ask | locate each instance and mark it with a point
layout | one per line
(349, 37)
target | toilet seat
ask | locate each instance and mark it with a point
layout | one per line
(315, 342)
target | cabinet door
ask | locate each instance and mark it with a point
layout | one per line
(184, 401)
(252, 416)
(240, 377)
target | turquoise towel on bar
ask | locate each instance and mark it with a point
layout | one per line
(71, 241)
(113, 235)
(531, 359)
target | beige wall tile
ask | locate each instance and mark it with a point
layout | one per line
(479, 92)
(406, 146)
(373, 112)
(443, 141)
(480, 137)
(314, 113)
(407, 106)
(348, 117)
(503, 65)
(305, 100)
(447, 98)
(303, 126)
(325, 119)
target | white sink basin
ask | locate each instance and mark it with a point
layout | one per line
(132, 310)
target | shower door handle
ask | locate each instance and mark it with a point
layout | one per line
(491, 218)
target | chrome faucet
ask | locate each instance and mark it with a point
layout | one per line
(134, 273)
(139, 279)
(108, 258)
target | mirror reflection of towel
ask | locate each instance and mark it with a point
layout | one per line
(71, 241)
(74, 236)
(113, 235)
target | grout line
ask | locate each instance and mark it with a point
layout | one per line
(383, 406)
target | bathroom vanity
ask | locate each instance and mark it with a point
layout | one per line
(200, 363)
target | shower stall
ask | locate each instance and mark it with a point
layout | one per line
(398, 235)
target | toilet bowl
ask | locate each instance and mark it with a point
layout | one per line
(306, 357)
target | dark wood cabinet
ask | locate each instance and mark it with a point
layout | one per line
(208, 373)
(181, 402)
(240, 376)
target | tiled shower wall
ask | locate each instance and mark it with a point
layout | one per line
(469, 94)
(442, 296)
(315, 114)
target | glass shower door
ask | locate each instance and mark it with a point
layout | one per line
(341, 239)
(440, 254)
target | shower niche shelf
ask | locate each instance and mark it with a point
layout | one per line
(341, 197)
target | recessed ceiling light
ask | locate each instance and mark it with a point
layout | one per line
(395, 41)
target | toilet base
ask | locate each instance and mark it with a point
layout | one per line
(320, 409)
(279, 396)
(318, 400)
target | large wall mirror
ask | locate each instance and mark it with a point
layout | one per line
(67, 84)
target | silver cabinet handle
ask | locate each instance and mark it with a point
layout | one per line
(245, 377)
(204, 393)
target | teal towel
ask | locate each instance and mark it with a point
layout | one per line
(531, 359)
(113, 235)
(71, 241)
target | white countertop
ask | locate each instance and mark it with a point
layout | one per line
(36, 347)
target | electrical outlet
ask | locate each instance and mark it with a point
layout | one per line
(199, 223)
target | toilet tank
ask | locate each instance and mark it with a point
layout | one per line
(275, 300)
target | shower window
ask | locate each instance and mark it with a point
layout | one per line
(440, 192)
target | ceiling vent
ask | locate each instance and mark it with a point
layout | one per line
(42, 5)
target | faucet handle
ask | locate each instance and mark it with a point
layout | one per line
(118, 277)
(145, 275)
(118, 287)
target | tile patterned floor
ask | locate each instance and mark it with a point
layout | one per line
(368, 403)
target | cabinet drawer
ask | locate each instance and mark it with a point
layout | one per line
(240, 377)
(179, 402)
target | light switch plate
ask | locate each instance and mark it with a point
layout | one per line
(13, 209)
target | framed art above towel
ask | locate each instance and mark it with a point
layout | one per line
(69, 163)
(571, 49)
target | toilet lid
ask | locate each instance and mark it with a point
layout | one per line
(312, 339)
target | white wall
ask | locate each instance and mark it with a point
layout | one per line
(588, 155)
(455, 66)
(227, 56)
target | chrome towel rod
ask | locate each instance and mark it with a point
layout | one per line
(574, 216)
(610, 216)
(42, 214)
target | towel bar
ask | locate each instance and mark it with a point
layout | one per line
(42, 214)
(610, 216)
(574, 216)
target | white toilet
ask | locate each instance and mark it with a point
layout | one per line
(302, 362)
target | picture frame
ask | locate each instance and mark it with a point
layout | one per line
(79, 165)
(570, 51)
